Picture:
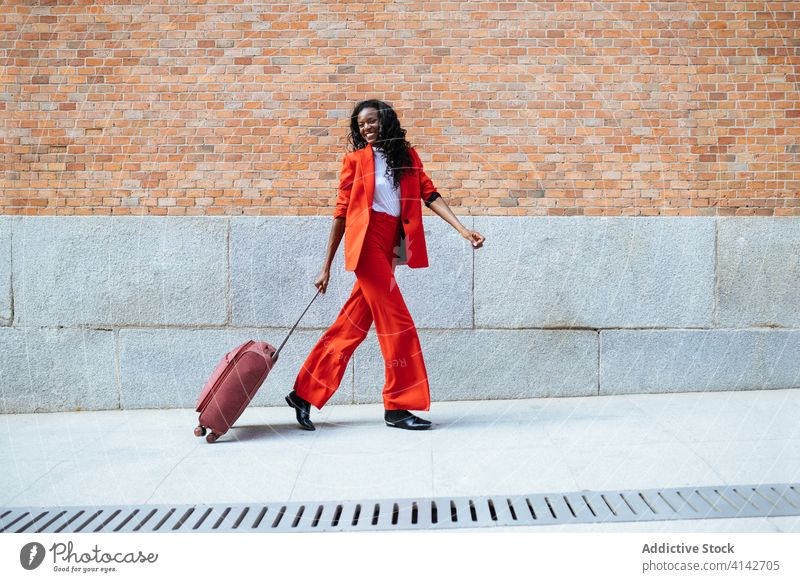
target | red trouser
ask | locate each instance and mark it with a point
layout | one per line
(377, 297)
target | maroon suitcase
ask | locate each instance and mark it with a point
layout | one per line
(234, 382)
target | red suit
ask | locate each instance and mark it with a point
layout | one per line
(375, 243)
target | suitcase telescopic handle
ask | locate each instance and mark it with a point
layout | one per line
(278, 351)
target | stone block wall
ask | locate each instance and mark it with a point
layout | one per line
(135, 312)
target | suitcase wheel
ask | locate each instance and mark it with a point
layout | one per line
(200, 431)
(212, 436)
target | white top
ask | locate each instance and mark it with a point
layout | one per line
(387, 197)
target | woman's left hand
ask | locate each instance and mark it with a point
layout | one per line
(475, 238)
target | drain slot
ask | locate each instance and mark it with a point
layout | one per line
(761, 495)
(376, 514)
(164, 519)
(784, 497)
(589, 505)
(183, 518)
(144, 521)
(650, 507)
(686, 501)
(611, 509)
(127, 519)
(550, 507)
(88, 521)
(34, 520)
(19, 518)
(298, 516)
(222, 518)
(317, 516)
(566, 501)
(73, 518)
(472, 511)
(279, 516)
(239, 519)
(512, 510)
(746, 499)
(336, 516)
(530, 508)
(633, 511)
(665, 500)
(703, 497)
(726, 500)
(203, 518)
(492, 512)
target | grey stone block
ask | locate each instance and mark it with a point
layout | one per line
(120, 270)
(594, 272)
(491, 364)
(758, 271)
(168, 368)
(275, 261)
(49, 370)
(642, 361)
(5, 270)
(440, 296)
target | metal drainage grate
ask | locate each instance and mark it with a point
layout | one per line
(763, 500)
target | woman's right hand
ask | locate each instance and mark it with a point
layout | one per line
(322, 280)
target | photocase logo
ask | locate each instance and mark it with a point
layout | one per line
(31, 555)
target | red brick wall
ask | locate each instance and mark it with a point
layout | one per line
(559, 108)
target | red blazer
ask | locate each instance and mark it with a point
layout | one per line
(354, 202)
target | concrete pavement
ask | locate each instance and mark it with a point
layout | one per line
(501, 447)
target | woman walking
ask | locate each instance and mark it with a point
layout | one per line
(379, 212)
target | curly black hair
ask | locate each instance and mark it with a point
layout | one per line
(391, 138)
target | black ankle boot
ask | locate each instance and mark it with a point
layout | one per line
(302, 410)
(404, 419)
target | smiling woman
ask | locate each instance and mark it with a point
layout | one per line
(369, 124)
(375, 123)
(381, 185)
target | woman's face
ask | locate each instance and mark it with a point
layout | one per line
(368, 124)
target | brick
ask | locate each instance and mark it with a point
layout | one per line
(485, 132)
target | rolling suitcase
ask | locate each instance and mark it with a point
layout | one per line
(234, 382)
